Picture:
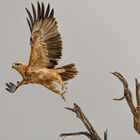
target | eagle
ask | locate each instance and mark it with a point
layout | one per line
(46, 51)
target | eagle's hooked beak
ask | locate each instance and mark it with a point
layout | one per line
(13, 65)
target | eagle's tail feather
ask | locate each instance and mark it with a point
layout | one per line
(69, 72)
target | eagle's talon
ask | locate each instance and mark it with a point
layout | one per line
(63, 98)
(10, 90)
(12, 84)
(64, 87)
(10, 87)
(62, 95)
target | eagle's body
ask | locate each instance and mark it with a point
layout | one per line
(46, 50)
(42, 76)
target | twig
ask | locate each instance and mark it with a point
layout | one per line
(91, 134)
(76, 134)
(119, 99)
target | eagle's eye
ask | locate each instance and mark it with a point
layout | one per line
(17, 64)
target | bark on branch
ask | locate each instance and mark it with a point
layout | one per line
(90, 133)
(128, 96)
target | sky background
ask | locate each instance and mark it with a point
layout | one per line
(100, 36)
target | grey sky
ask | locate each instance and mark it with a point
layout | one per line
(100, 36)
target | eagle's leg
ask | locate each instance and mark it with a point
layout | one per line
(53, 88)
(60, 81)
(12, 87)
(64, 87)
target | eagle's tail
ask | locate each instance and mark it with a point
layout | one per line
(67, 72)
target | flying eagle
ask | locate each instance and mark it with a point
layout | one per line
(46, 50)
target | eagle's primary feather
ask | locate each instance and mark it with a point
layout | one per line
(46, 42)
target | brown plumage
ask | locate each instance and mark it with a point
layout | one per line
(46, 50)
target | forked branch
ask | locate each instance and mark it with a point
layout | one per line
(128, 96)
(90, 133)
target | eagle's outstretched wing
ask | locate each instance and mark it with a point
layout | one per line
(46, 42)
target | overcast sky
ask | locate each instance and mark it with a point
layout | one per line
(100, 36)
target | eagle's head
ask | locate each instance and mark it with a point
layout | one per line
(20, 67)
(17, 65)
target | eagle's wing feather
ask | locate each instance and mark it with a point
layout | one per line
(46, 42)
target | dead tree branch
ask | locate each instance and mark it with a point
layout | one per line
(128, 96)
(90, 133)
(105, 135)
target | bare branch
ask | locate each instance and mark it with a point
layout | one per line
(105, 135)
(127, 92)
(119, 99)
(127, 95)
(91, 134)
(76, 134)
